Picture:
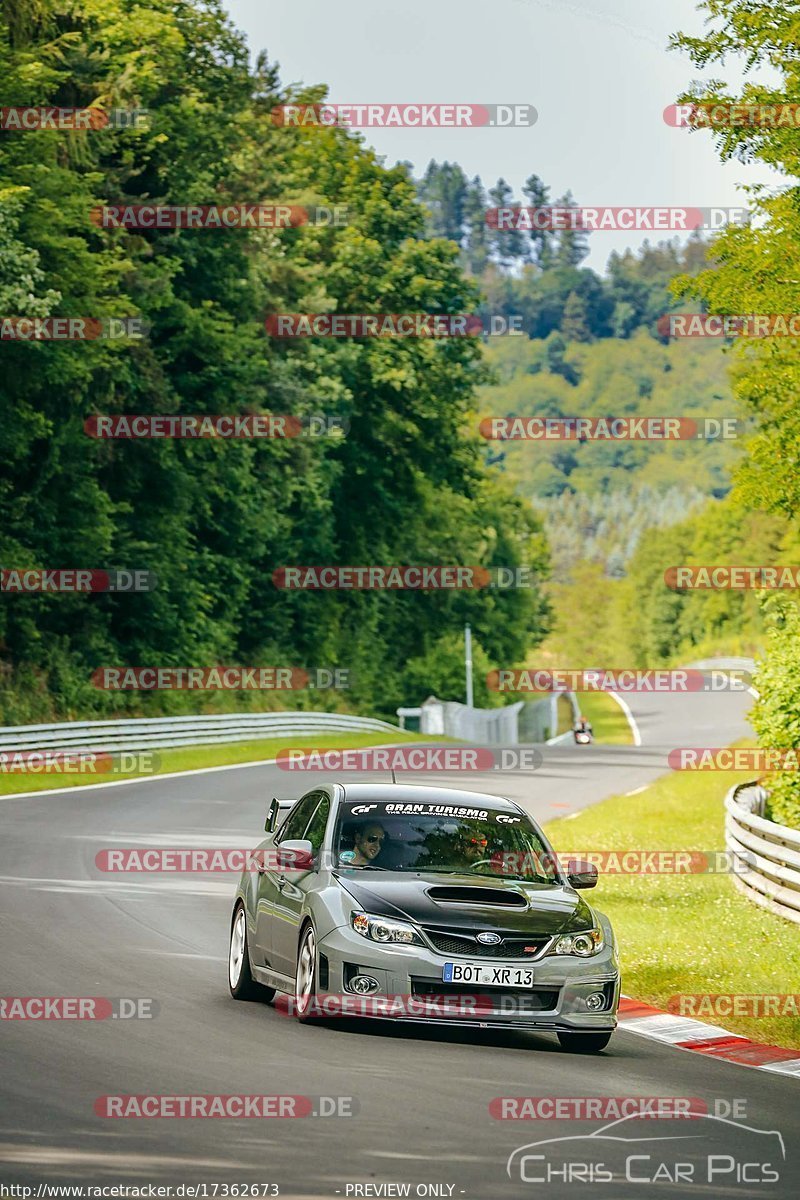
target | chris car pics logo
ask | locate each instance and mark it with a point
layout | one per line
(713, 1153)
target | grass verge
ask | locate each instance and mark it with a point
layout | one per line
(686, 934)
(192, 758)
(564, 715)
(609, 722)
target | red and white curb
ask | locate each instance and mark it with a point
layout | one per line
(713, 1040)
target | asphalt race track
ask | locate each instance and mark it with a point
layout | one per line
(422, 1095)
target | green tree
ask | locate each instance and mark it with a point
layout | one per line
(214, 519)
(508, 245)
(776, 713)
(573, 244)
(757, 270)
(574, 324)
(477, 237)
(444, 191)
(537, 195)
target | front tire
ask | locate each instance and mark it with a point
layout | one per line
(584, 1043)
(240, 979)
(305, 987)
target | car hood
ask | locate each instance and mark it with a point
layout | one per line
(468, 902)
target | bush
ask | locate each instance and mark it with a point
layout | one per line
(776, 715)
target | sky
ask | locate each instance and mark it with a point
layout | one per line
(597, 71)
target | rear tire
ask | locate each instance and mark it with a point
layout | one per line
(240, 979)
(584, 1043)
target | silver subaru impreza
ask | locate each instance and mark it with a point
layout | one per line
(422, 904)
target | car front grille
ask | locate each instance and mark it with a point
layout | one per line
(466, 945)
(522, 1000)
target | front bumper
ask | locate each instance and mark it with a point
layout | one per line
(557, 1001)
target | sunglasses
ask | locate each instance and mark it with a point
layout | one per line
(375, 837)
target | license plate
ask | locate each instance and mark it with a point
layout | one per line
(488, 975)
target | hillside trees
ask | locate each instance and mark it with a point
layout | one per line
(213, 519)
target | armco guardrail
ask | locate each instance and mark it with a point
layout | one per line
(143, 732)
(770, 875)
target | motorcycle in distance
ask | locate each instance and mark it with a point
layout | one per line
(582, 732)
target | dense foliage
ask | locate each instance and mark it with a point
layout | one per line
(757, 272)
(776, 716)
(647, 624)
(212, 518)
(637, 377)
(537, 275)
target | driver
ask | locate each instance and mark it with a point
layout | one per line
(472, 847)
(369, 841)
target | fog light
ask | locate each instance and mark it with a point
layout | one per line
(363, 985)
(595, 1001)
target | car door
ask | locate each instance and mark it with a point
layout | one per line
(293, 888)
(270, 876)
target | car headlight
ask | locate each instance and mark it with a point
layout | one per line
(381, 929)
(583, 944)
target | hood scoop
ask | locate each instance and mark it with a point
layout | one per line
(490, 897)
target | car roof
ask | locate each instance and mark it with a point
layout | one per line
(403, 793)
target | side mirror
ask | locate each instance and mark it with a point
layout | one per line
(581, 874)
(296, 855)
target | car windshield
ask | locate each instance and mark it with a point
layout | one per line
(441, 838)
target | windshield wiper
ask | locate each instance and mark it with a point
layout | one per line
(524, 878)
(438, 871)
(483, 874)
(361, 867)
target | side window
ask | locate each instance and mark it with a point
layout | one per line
(294, 827)
(316, 828)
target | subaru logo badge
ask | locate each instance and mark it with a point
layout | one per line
(489, 939)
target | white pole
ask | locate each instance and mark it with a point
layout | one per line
(468, 662)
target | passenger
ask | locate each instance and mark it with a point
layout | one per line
(369, 841)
